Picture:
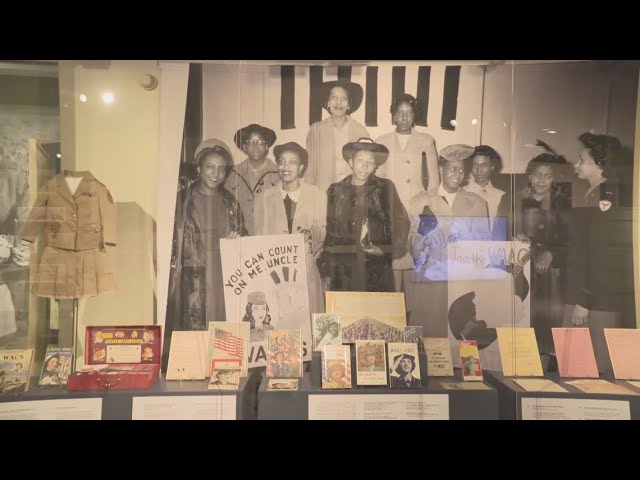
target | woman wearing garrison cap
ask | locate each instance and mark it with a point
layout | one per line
(327, 137)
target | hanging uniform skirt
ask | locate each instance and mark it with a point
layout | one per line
(73, 274)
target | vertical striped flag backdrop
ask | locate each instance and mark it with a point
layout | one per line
(288, 98)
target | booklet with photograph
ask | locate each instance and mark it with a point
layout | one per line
(404, 365)
(225, 377)
(336, 366)
(326, 330)
(284, 353)
(415, 334)
(57, 365)
(470, 360)
(282, 384)
(371, 362)
(15, 370)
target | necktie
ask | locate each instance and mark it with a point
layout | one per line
(288, 206)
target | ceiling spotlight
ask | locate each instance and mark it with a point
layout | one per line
(108, 97)
(83, 98)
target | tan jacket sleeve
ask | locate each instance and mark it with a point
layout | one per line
(108, 216)
(37, 217)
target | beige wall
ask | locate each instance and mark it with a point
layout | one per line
(118, 143)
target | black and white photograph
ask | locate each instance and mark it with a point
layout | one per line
(408, 158)
(404, 365)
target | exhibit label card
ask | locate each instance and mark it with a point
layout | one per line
(464, 386)
(439, 361)
(574, 352)
(519, 352)
(600, 386)
(535, 408)
(71, 409)
(187, 357)
(379, 407)
(539, 385)
(189, 407)
(624, 350)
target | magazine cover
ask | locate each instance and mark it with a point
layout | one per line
(369, 315)
(470, 360)
(284, 353)
(371, 362)
(57, 365)
(15, 370)
(326, 330)
(229, 342)
(265, 285)
(404, 365)
(336, 366)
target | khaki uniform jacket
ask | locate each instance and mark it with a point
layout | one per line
(83, 220)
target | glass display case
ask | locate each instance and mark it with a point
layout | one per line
(319, 240)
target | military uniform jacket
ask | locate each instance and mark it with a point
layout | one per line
(83, 220)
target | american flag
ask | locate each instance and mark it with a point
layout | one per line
(228, 342)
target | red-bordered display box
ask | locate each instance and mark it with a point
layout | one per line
(119, 358)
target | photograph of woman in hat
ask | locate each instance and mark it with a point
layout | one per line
(413, 158)
(367, 226)
(255, 174)
(295, 207)
(336, 375)
(257, 314)
(327, 137)
(402, 372)
(330, 335)
(205, 213)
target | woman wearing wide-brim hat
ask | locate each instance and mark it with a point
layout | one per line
(327, 137)
(367, 226)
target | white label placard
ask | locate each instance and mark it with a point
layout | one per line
(192, 407)
(379, 407)
(64, 409)
(574, 409)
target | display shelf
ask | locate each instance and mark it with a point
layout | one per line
(118, 404)
(294, 405)
(510, 394)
